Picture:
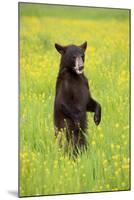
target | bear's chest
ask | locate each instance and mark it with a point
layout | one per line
(79, 91)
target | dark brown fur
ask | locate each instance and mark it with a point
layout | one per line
(73, 98)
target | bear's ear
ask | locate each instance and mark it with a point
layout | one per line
(60, 48)
(84, 46)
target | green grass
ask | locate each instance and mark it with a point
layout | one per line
(73, 12)
(44, 169)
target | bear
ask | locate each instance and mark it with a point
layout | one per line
(72, 97)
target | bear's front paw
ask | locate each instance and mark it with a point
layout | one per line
(97, 119)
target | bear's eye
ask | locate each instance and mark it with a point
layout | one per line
(83, 57)
(74, 57)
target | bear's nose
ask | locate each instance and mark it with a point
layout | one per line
(81, 67)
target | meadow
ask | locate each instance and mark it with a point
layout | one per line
(105, 166)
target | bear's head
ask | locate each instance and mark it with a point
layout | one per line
(72, 57)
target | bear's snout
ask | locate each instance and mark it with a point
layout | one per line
(79, 65)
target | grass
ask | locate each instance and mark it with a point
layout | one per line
(44, 169)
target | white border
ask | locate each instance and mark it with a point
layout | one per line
(9, 98)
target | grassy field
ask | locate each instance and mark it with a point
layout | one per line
(44, 169)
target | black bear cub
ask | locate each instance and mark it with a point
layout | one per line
(73, 98)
